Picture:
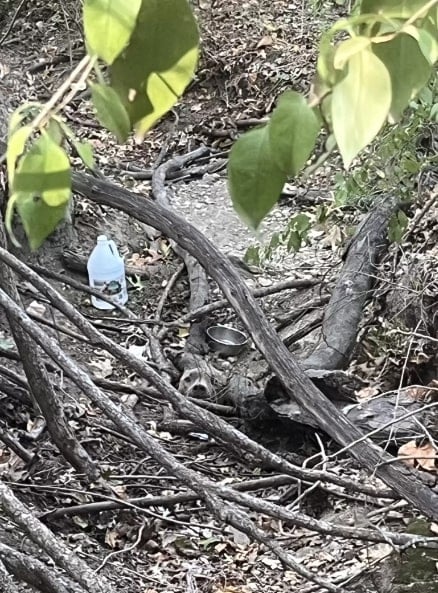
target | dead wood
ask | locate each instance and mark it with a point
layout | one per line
(196, 379)
(40, 388)
(289, 284)
(77, 570)
(26, 568)
(7, 585)
(408, 484)
(165, 500)
(345, 309)
(210, 492)
(14, 445)
(392, 419)
(209, 422)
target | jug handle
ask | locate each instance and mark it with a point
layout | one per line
(113, 248)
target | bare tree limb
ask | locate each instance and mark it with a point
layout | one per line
(44, 538)
(207, 421)
(34, 572)
(409, 484)
(41, 388)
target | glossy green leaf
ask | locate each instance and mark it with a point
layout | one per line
(15, 148)
(293, 129)
(108, 26)
(110, 111)
(347, 49)
(402, 9)
(360, 104)
(254, 177)
(44, 171)
(163, 43)
(300, 223)
(407, 67)
(39, 220)
(165, 88)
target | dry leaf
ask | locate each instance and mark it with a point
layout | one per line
(36, 308)
(104, 368)
(264, 41)
(367, 393)
(183, 332)
(35, 427)
(423, 457)
(417, 394)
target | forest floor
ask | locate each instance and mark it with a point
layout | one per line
(252, 51)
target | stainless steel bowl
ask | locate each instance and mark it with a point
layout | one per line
(226, 340)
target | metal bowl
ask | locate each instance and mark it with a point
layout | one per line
(226, 340)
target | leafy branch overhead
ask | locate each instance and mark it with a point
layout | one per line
(150, 50)
(361, 82)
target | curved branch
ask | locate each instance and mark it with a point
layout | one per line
(409, 484)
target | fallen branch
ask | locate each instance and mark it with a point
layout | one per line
(130, 427)
(40, 387)
(26, 568)
(211, 492)
(211, 423)
(44, 538)
(196, 379)
(345, 309)
(409, 484)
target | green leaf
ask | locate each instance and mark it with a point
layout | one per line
(360, 104)
(427, 42)
(252, 255)
(401, 9)
(108, 25)
(163, 43)
(325, 68)
(39, 220)
(21, 113)
(85, 152)
(110, 111)
(407, 67)
(164, 89)
(292, 130)
(397, 226)
(347, 49)
(255, 179)
(54, 130)
(45, 172)
(300, 223)
(15, 148)
(294, 242)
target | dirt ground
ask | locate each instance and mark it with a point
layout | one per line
(252, 50)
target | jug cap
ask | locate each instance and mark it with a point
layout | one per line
(102, 238)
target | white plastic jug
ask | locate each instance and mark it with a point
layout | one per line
(106, 272)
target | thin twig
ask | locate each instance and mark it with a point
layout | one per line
(11, 24)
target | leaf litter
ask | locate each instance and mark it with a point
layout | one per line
(251, 52)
